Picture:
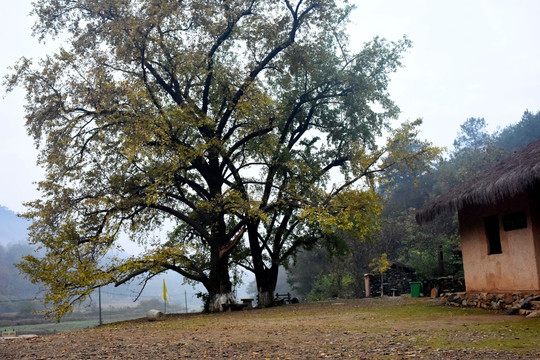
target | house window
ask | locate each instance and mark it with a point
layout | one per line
(493, 235)
(514, 221)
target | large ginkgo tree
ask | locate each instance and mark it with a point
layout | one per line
(246, 127)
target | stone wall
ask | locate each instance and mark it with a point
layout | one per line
(396, 280)
(446, 284)
(510, 303)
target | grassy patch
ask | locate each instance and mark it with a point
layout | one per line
(379, 327)
(520, 336)
(427, 325)
(441, 327)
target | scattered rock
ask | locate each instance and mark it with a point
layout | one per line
(512, 311)
(524, 312)
(535, 304)
(153, 315)
(526, 303)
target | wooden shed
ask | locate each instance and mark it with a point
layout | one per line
(499, 221)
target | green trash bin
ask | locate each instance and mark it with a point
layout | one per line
(415, 288)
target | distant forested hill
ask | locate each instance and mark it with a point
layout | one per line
(13, 246)
(12, 227)
(15, 288)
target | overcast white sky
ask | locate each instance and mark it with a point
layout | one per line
(469, 59)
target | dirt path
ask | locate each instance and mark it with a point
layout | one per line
(356, 329)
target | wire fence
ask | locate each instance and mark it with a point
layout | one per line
(102, 307)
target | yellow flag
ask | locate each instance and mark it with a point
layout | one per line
(164, 290)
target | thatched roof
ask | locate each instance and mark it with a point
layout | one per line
(516, 174)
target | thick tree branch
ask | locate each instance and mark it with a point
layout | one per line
(194, 224)
(169, 89)
(219, 41)
(227, 248)
(263, 63)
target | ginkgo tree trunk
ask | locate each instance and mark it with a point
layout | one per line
(224, 120)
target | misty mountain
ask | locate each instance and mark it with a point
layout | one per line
(15, 287)
(13, 229)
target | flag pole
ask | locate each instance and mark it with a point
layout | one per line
(164, 297)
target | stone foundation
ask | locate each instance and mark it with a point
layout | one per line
(512, 303)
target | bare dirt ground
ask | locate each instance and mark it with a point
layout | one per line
(388, 328)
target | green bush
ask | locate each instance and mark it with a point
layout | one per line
(330, 286)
